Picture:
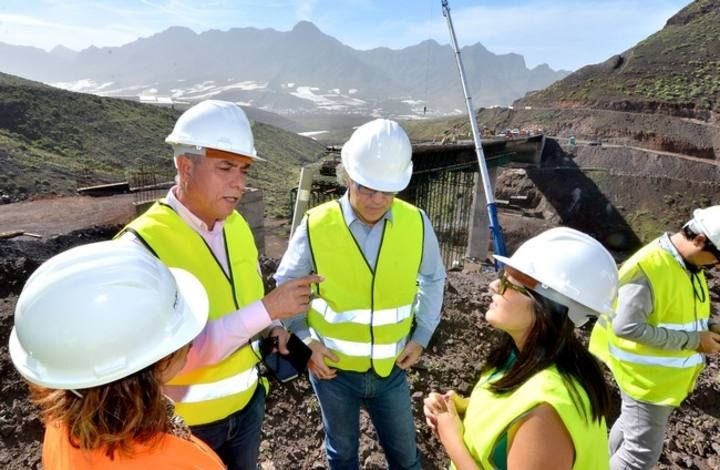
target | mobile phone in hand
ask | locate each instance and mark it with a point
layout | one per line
(280, 367)
(286, 367)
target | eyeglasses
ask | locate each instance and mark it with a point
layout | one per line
(505, 284)
(712, 249)
(367, 192)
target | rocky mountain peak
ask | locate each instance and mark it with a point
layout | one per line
(306, 29)
(673, 71)
(694, 11)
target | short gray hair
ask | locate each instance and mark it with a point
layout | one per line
(181, 149)
(193, 153)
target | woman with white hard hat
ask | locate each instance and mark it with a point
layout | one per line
(541, 401)
(98, 330)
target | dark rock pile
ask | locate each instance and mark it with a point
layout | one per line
(292, 432)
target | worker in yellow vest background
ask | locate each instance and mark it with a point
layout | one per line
(380, 300)
(196, 227)
(541, 401)
(98, 330)
(655, 340)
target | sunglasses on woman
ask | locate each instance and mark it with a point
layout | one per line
(506, 284)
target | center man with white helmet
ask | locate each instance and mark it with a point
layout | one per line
(196, 227)
(380, 300)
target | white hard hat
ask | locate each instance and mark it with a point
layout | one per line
(379, 156)
(708, 221)
(215, 124)
(100, 312)
(572, 269)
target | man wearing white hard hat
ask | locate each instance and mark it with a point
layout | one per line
(196, 227)
(380, 301)
(655, 341)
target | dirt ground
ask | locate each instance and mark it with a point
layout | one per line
(50, 217)
(293, 437)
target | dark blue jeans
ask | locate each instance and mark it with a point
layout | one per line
(236, 439)
(387, 401)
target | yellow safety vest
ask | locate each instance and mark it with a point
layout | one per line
(645, 373)
(490, 416)
(214, 392)
(364, 316)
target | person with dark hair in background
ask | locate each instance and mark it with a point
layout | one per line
(655, 340)
(541, 401)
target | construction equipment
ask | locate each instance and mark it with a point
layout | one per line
(495, 228)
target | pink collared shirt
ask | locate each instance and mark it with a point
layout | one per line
(223, 336)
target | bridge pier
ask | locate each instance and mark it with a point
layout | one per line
(539, 151)
(479, 230)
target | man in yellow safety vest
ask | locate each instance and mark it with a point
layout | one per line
(382, 271)
(655, 341)
(196, 227)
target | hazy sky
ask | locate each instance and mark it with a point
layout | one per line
(562, 33)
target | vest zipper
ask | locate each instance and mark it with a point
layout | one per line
(356, 242)
(219, 266)
(372, 296)
(696, 297)
(230, 276)
(227, 255)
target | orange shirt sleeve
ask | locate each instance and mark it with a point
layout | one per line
(168, 453)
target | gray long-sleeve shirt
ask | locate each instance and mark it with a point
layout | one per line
(636, 303)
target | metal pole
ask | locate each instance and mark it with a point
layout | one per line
(495, 228)
(302, 199)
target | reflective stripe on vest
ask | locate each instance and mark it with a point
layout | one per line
(489, 416)
(675, 362)
(697, 325)
(241, 382)
(388, 316)
(653, 375)
(364, 316)
(172, 240)
(363, 350)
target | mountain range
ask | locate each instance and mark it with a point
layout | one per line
(53, 141)
(302, 70)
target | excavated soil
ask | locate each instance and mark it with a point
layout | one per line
(293, 437)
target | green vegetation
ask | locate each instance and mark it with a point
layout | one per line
(677, 67)
(285, 153)
(52, 141)
(423, 130)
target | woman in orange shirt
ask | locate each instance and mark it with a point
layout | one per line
(98, 330)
